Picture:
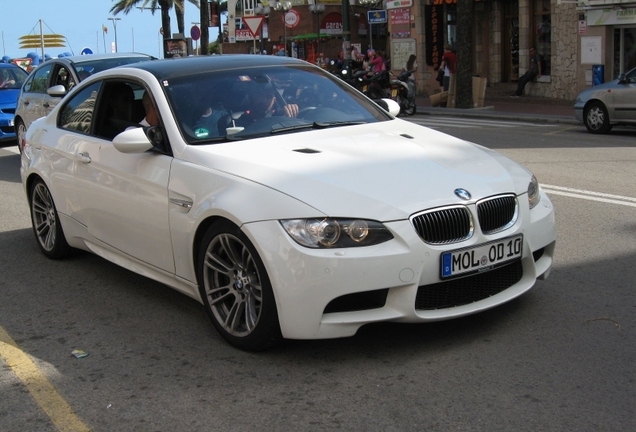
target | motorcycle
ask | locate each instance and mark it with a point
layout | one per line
(377, 86)
(402, 94)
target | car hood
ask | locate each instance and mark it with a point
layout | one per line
(9, 97)
(384, 171)
(587, 94)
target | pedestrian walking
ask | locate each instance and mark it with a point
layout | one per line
(448, 65)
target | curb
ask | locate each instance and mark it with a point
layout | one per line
(489, 112)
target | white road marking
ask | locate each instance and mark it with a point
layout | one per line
(589, 195)
(474, 123)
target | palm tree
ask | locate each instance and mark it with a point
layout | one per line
(179, 9)
(221, 7)
(126, 6)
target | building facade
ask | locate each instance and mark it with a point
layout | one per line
(583, 42)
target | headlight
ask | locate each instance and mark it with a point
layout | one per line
(533, 192)
(336, 233)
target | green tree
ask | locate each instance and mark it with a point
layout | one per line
(464, 48)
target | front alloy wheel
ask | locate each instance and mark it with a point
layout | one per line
(236, 290)
(20, 132)
(46, 223)
(596, 119)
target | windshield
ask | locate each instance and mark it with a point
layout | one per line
(12, 77)
(86, 68)
(255, 102)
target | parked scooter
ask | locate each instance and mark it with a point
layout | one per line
(378, 85)
(403, 93)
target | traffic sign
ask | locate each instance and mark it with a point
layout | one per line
(86, 51)
(254, 24)
(376, 16)
(195, 33)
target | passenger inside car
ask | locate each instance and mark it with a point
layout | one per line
(120, 110)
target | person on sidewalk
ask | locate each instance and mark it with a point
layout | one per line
(448, 65)
(532, 73)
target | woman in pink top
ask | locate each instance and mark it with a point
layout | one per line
(375, 61)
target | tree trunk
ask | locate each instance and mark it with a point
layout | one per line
(464, 48)
(165, 18)
(179, 11)
(205, 30)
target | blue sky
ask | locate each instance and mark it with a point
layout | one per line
(81, 22)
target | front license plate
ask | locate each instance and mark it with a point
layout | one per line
(364, 88)
(481, 258)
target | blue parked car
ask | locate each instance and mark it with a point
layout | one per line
(11, 79)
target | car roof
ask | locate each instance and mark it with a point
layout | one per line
(92, 57)
(9, 65)
(169, 68)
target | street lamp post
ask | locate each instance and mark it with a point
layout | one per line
(264, 11)
(369, 3)
(114, 20)
(317, 9)
(283, 7)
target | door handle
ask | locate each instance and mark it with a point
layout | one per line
(84, 157)
(46, 105)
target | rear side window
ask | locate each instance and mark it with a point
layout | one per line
(77, 113)
(38, 81)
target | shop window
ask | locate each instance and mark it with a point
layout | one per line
(543, 31)
(624, 50)
(451, 24)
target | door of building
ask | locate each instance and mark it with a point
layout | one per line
(510, 55)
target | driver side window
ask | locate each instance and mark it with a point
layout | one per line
(38, 82)
(77, 113)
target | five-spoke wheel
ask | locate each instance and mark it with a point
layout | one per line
(46, 223)
(236, 290)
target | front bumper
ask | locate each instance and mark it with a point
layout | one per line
(388, 281)
(7, 131)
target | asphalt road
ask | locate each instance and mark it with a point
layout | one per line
(560, 358)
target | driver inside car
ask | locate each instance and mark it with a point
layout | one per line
(264, 103)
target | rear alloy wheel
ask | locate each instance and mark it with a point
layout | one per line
(46, 223)
(596, 118)
(236, 290)
(20, 132)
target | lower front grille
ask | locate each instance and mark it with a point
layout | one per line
(468, 290)
(358, 301)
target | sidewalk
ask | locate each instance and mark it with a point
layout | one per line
(527, 108)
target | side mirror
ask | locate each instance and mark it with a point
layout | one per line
(132, 141)
(622, 79)
(389, 105)
(56, 90)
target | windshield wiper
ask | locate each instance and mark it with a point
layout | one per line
(315, 125)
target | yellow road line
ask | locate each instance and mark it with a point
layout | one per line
(45, 395)
(562, 130)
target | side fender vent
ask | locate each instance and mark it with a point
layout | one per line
(306, 150)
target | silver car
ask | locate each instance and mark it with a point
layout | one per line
(52, 80)
(605, 105)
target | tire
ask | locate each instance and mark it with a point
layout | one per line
(46, 222)
(236, 290)
(20, 133)
(596, 118)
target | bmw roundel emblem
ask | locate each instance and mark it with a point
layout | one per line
(462, 193)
